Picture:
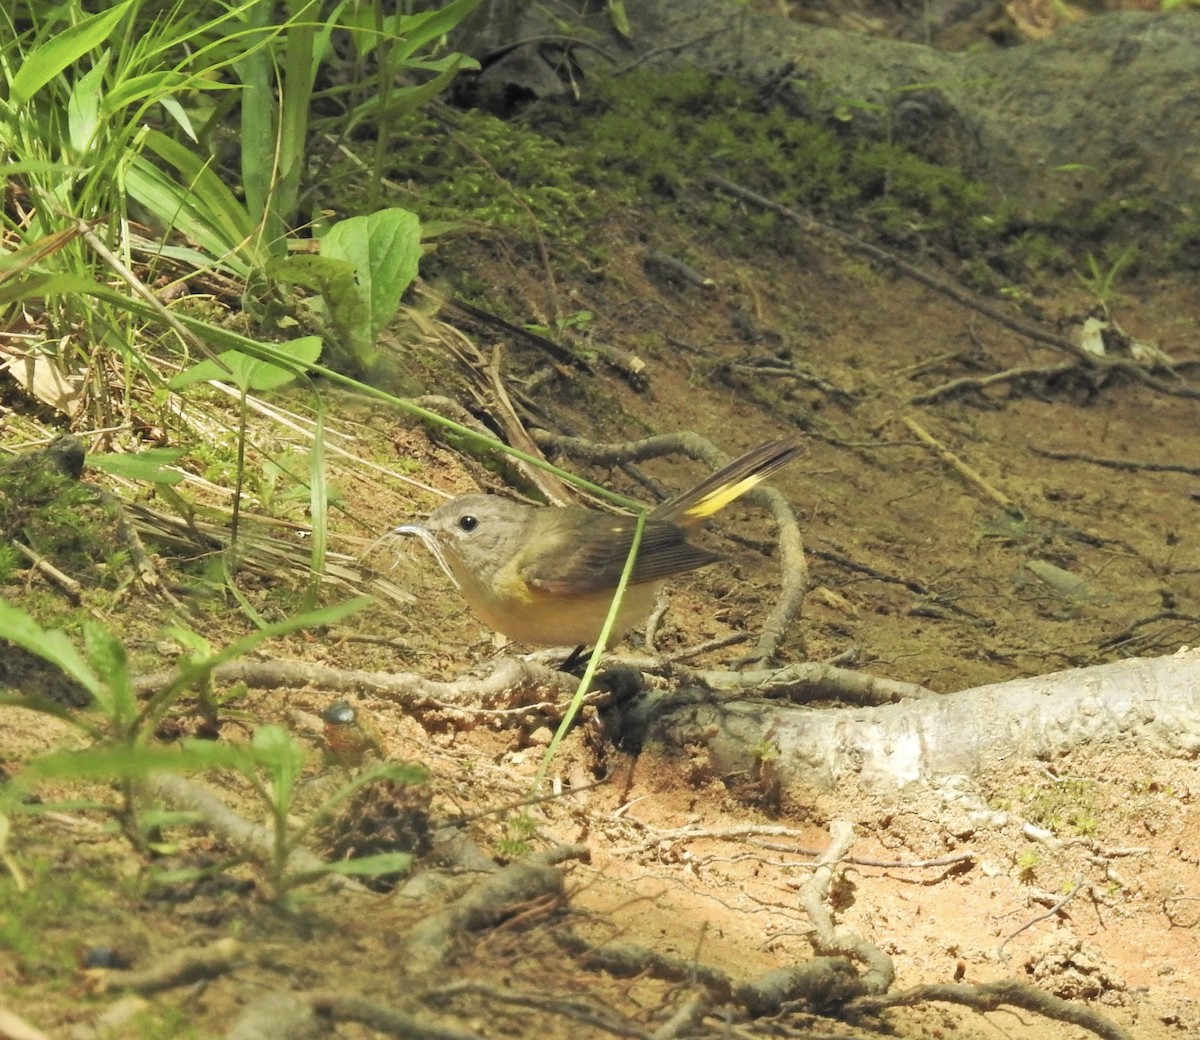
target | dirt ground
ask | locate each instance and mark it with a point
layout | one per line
(917, 573)
(882, 517)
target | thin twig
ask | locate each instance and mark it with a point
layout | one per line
(70, 587)
(962, 469)
(141, 289)
(1040, 917)
(948, 289)
(1124, 464)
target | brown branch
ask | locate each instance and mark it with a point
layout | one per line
(797, 683)
(1010, 375)
(384, 1019)
(512, 682)
(177, 968)
(70, 587)
(488, 903)
(1123, 464)
(627, 960)
(968, 473)
(993, 995)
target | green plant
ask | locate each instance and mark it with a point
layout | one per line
(364, 267)
(579, 321)
(101, 114)
(1027, 863)
(123, 751)
(765, 751)
(520, 829)
(1099, 279)
(274, 769)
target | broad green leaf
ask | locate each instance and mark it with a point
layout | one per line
(252, 373)
(107, 763)
(326, 275)
(39, 284)
(48, 60)
(199, 205)
(50, 645)
(177, 207)
(38, 167)
(345, 303)
(385, 249)
(154, 465)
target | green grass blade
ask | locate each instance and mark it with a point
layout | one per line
(52, 57)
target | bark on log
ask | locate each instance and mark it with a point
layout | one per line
(1153, 703)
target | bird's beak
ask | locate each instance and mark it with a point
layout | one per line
(431, 543)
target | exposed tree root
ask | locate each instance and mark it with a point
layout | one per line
(513, 682)
(1102, 366)
(250, 839)
(486, 904)
(992, 995)
(1154, 702)
(177, 968)
(383, 1019)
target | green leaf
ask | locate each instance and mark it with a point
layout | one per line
(252, 373)
(153, 465)
(418, 30)
(50, 645)
(200, 206)
(318, 508)
(345, 303)
(176, 112)
(408, 99)
(106, 654)
(107, 763)
(37, 284)
(83, 107)
(282, 757)
(384, 249)
(372, 866)
(51, 58)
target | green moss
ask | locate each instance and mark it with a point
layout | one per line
(43, 925)
(650, 137)
(65, 520)
(163, 1023)
(1067, 807)
(1183, 247)
(482, 170)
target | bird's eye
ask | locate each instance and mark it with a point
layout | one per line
(468, 523)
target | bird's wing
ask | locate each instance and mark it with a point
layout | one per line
(592, 556)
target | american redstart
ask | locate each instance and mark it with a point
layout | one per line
(545, 574)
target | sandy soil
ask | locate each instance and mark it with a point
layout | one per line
(916, 574)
